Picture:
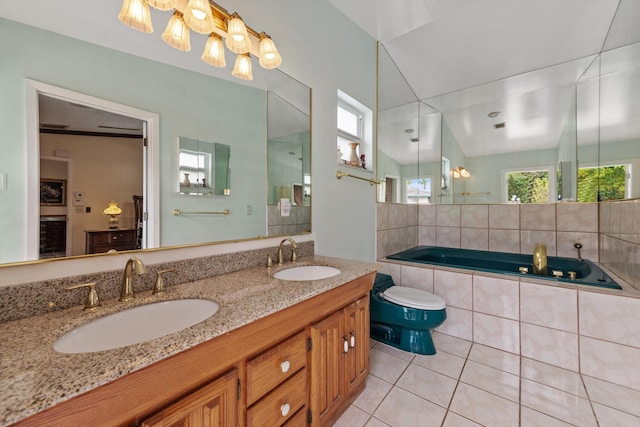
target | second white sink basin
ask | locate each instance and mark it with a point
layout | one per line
(135, 325)
(307, 272)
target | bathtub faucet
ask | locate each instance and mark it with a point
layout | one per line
(540, 259)
(578, 246)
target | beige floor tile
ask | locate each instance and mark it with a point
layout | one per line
(559, 404)
(531, 418)
(609, 417)
(492, 380)
(495, 358)
(386, 366)
(374, 422)
(403, 409)
(484, 408)
(553, 376)
(428, 384)
(455, 420)
(450, 344)
(613, 395)
(352, 417)
(373, 393)
(442, 362)
(400, 354)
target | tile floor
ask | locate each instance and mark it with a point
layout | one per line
(468, 384)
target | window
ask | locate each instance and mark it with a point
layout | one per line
(195, 165)
(609, 182)
(355, 133)
(418, 190)
(536, 185)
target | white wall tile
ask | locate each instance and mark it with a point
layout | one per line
(504, 240)
(458, 324)
(448, 237)
(455, 288)
(474, 238)
(474, 216)
(427, 215)
(529, 238)
(610, 317)
(577, 217)
(392, 270)
(538, 217)
(499, 297)
(416, 277)
(427, 235)
(566, 240)
(558, 348)
(496, 332)
(549, 306)
(448, 215)
(504, 216)
(382, 216)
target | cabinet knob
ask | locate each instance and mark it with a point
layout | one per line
(284, 409)
(352, 340)
(285, 366)
(346, 345)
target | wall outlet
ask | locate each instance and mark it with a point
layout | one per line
(249, 210)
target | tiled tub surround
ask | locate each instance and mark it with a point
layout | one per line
(501, 228)
(36, 298)
(620, 239)
(595, 333)
(33, 376)
(298, 221)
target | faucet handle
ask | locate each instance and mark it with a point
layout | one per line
(92, 302)
(159, 286)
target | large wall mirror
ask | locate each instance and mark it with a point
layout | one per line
(568, 132)
(171, 102)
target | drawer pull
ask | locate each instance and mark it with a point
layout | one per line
(285, 366)
(284, 409)
(352, 342)
(346, 345)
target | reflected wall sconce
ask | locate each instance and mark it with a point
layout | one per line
(113, 211)
(206, 17)
(460, 172)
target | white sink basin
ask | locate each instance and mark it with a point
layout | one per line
(307, 272)
(135, 325)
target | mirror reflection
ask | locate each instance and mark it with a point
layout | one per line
(563, 133)
(174, 102)
(203, 167)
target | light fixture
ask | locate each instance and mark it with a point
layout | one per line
(242, 69)
(206, 17)
(136, 14)
(113, 211)
(269, 56)
(214, 52)
(177, 33)
(162, 4)
(198, 16)
(238, 40)
(460, 172)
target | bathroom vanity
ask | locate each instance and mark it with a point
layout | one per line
(277, 353)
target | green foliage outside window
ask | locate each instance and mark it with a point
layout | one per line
(608, 181)
(530, 187)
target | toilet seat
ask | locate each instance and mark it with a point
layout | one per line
(413, 298)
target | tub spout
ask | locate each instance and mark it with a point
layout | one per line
(540, 259)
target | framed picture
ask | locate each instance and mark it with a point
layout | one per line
(53, 192)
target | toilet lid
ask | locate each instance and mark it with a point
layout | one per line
(414, 298)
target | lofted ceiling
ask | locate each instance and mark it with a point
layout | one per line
(467, 58)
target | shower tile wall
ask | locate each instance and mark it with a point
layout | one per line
(594, 332)
(298, 221)
(620, 239)
(501, 228)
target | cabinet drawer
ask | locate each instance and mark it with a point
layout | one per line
(281, 404)
(272, 367)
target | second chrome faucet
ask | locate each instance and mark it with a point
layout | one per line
(134, 265)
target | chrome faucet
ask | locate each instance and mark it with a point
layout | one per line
(293, 250)
(540, 259)
(133, 265)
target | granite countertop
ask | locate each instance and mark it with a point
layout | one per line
(34, 377)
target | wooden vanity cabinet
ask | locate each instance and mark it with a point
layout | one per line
(241, 378)
(214, 405)
(339, 361)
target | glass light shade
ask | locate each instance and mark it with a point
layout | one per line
(113, 209)
(237, 40)
(214, 52)
(177, 33)
(242, 69)
(198, 16)
(269, 56)
(162, 4)
(135, 13)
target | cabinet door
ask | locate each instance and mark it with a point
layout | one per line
(357, 332)
(327, 388)
(214, 405)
